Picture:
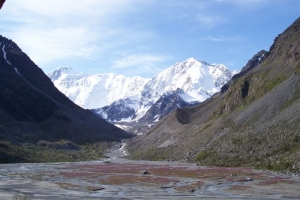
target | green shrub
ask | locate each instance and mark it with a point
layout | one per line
(235, 140)
(20, 197)
(201, 156)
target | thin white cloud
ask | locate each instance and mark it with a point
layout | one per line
(224, 39)
(55, 29)
(66, 9)
(199, 11)
(47, 44)
(144, 62)
(245, 3)
(210, 21)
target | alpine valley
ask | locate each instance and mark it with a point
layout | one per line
(193, 131)
(229, 124)
(121, 99)
(192, 111)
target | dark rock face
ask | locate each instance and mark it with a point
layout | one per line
(252, 63)
(182, 116)
(121, 109)
(117, 111)
(164, 105)
(32, 109)
(16, 98)
(27, 94)
(286, 45)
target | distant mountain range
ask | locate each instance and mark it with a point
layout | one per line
(119, 98)
(96, 90)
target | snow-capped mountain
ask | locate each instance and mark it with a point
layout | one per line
(96, 90)
(199, 80)
(120, 98)
(190, 81)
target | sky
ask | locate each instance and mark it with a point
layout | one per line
(143, 37)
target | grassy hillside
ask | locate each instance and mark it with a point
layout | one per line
(254, 122)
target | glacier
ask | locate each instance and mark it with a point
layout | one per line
(119, 98)
(95, 90)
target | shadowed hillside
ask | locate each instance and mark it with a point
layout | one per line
(254, 121)
(35, 118)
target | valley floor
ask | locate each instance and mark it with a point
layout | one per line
(119, 178)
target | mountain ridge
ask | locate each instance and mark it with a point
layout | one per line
(83, 89)
(198, 81)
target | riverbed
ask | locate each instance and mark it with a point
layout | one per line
(118, 178)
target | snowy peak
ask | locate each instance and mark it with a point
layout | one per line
(96, 90)
(191, 80)
(192, 60)
(198, 79)
(220, 74)
(56, 74)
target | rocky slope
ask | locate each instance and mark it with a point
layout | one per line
(35, 115)
(254, 121)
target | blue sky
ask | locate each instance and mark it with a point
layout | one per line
(143, 37)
